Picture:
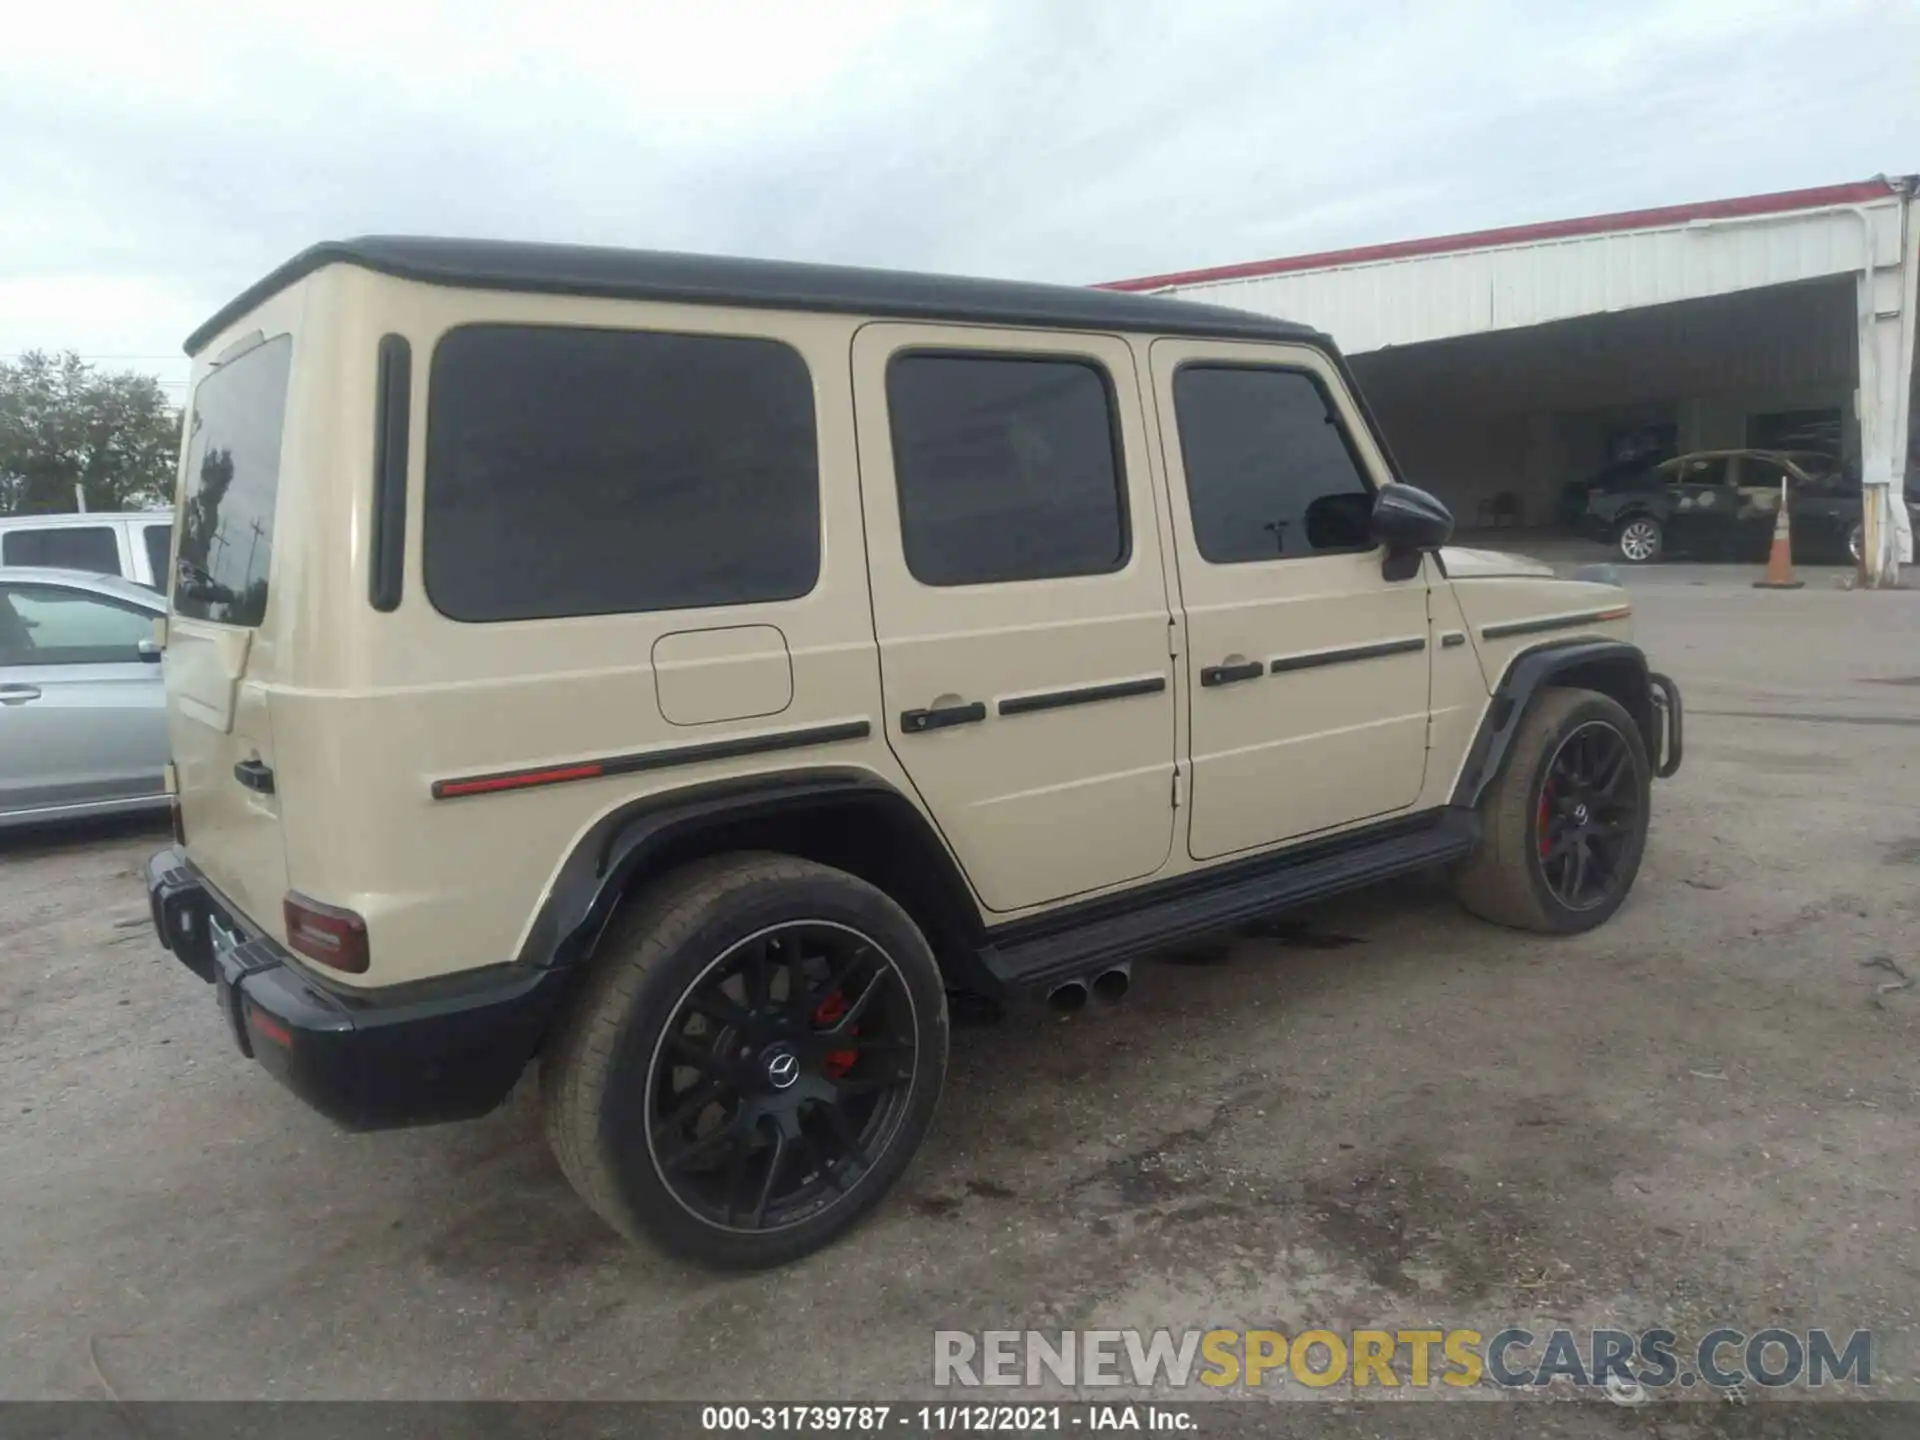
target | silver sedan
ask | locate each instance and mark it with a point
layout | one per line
(83, 710)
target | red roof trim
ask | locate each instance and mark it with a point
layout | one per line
(1782, 201)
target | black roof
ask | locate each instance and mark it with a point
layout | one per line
(771, 284)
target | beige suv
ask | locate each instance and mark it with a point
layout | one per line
(682, 674)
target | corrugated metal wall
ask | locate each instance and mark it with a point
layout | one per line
(1431, 297)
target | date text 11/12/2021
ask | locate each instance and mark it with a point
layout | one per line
(945, 1419)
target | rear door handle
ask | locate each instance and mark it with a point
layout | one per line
(18, 694)
(256, 775)
(1213, 675)
(914, 721)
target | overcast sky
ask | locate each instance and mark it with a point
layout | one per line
(155, 159)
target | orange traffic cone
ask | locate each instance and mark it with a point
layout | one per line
(1779, 574)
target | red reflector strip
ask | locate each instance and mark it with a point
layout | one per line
(515, 780)
(272, 1029)
(1619, 613)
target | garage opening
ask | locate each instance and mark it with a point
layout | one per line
(1499, 425)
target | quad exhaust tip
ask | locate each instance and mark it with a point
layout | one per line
(1068, 998)
(1106, 987)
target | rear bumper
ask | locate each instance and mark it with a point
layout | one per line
(415, 1054)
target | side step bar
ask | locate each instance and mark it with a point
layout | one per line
(1033, 958)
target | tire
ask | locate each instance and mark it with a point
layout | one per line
(1640, 539)
(624, 1119)
(1512, 878)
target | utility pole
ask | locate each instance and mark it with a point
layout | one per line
(258, 530)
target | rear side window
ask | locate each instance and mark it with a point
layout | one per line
(1008, 468)
(599, 472)
(51, 625)
(159, 542)
(1699, 470)
(1270, 472)
(231, 486)
(67, 547)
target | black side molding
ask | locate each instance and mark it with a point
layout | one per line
(391, 420)
(1085, 695)
(537, 775)
(1506, 629)
(1350, 653)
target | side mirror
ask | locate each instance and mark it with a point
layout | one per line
(1408, 522)
(149, 651)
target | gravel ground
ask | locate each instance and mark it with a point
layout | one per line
(1379, 1113)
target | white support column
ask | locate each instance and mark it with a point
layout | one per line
(1886, 293)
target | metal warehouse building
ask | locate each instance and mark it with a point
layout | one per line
(1504, 363)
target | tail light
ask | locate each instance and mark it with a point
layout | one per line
(327, 934)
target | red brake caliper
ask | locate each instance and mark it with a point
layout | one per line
(837, 1062)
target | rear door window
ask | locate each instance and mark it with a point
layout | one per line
(1008, 468)
(231, 487)
(93, 548)
(603, 472)
(1699, 470)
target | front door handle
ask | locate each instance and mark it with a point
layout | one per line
(18, 694)
(938, 718)
(1214, 675)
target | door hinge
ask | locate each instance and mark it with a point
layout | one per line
(1176, 788)
(1173, 638)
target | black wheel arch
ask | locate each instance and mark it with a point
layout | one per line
(1637, 510)
(850, 819)
(1612, 667)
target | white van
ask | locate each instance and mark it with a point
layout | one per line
(136, 545)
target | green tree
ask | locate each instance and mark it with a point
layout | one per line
(63, 423)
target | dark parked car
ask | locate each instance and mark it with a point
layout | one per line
(1637, 473)
(1721, 505)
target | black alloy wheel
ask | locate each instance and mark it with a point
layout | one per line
(751, 1061)
(1564, 822)
(1589, 817)
(781, 1077)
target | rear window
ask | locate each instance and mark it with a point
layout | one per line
(232, 483)
(599, 472)
(68, 547)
